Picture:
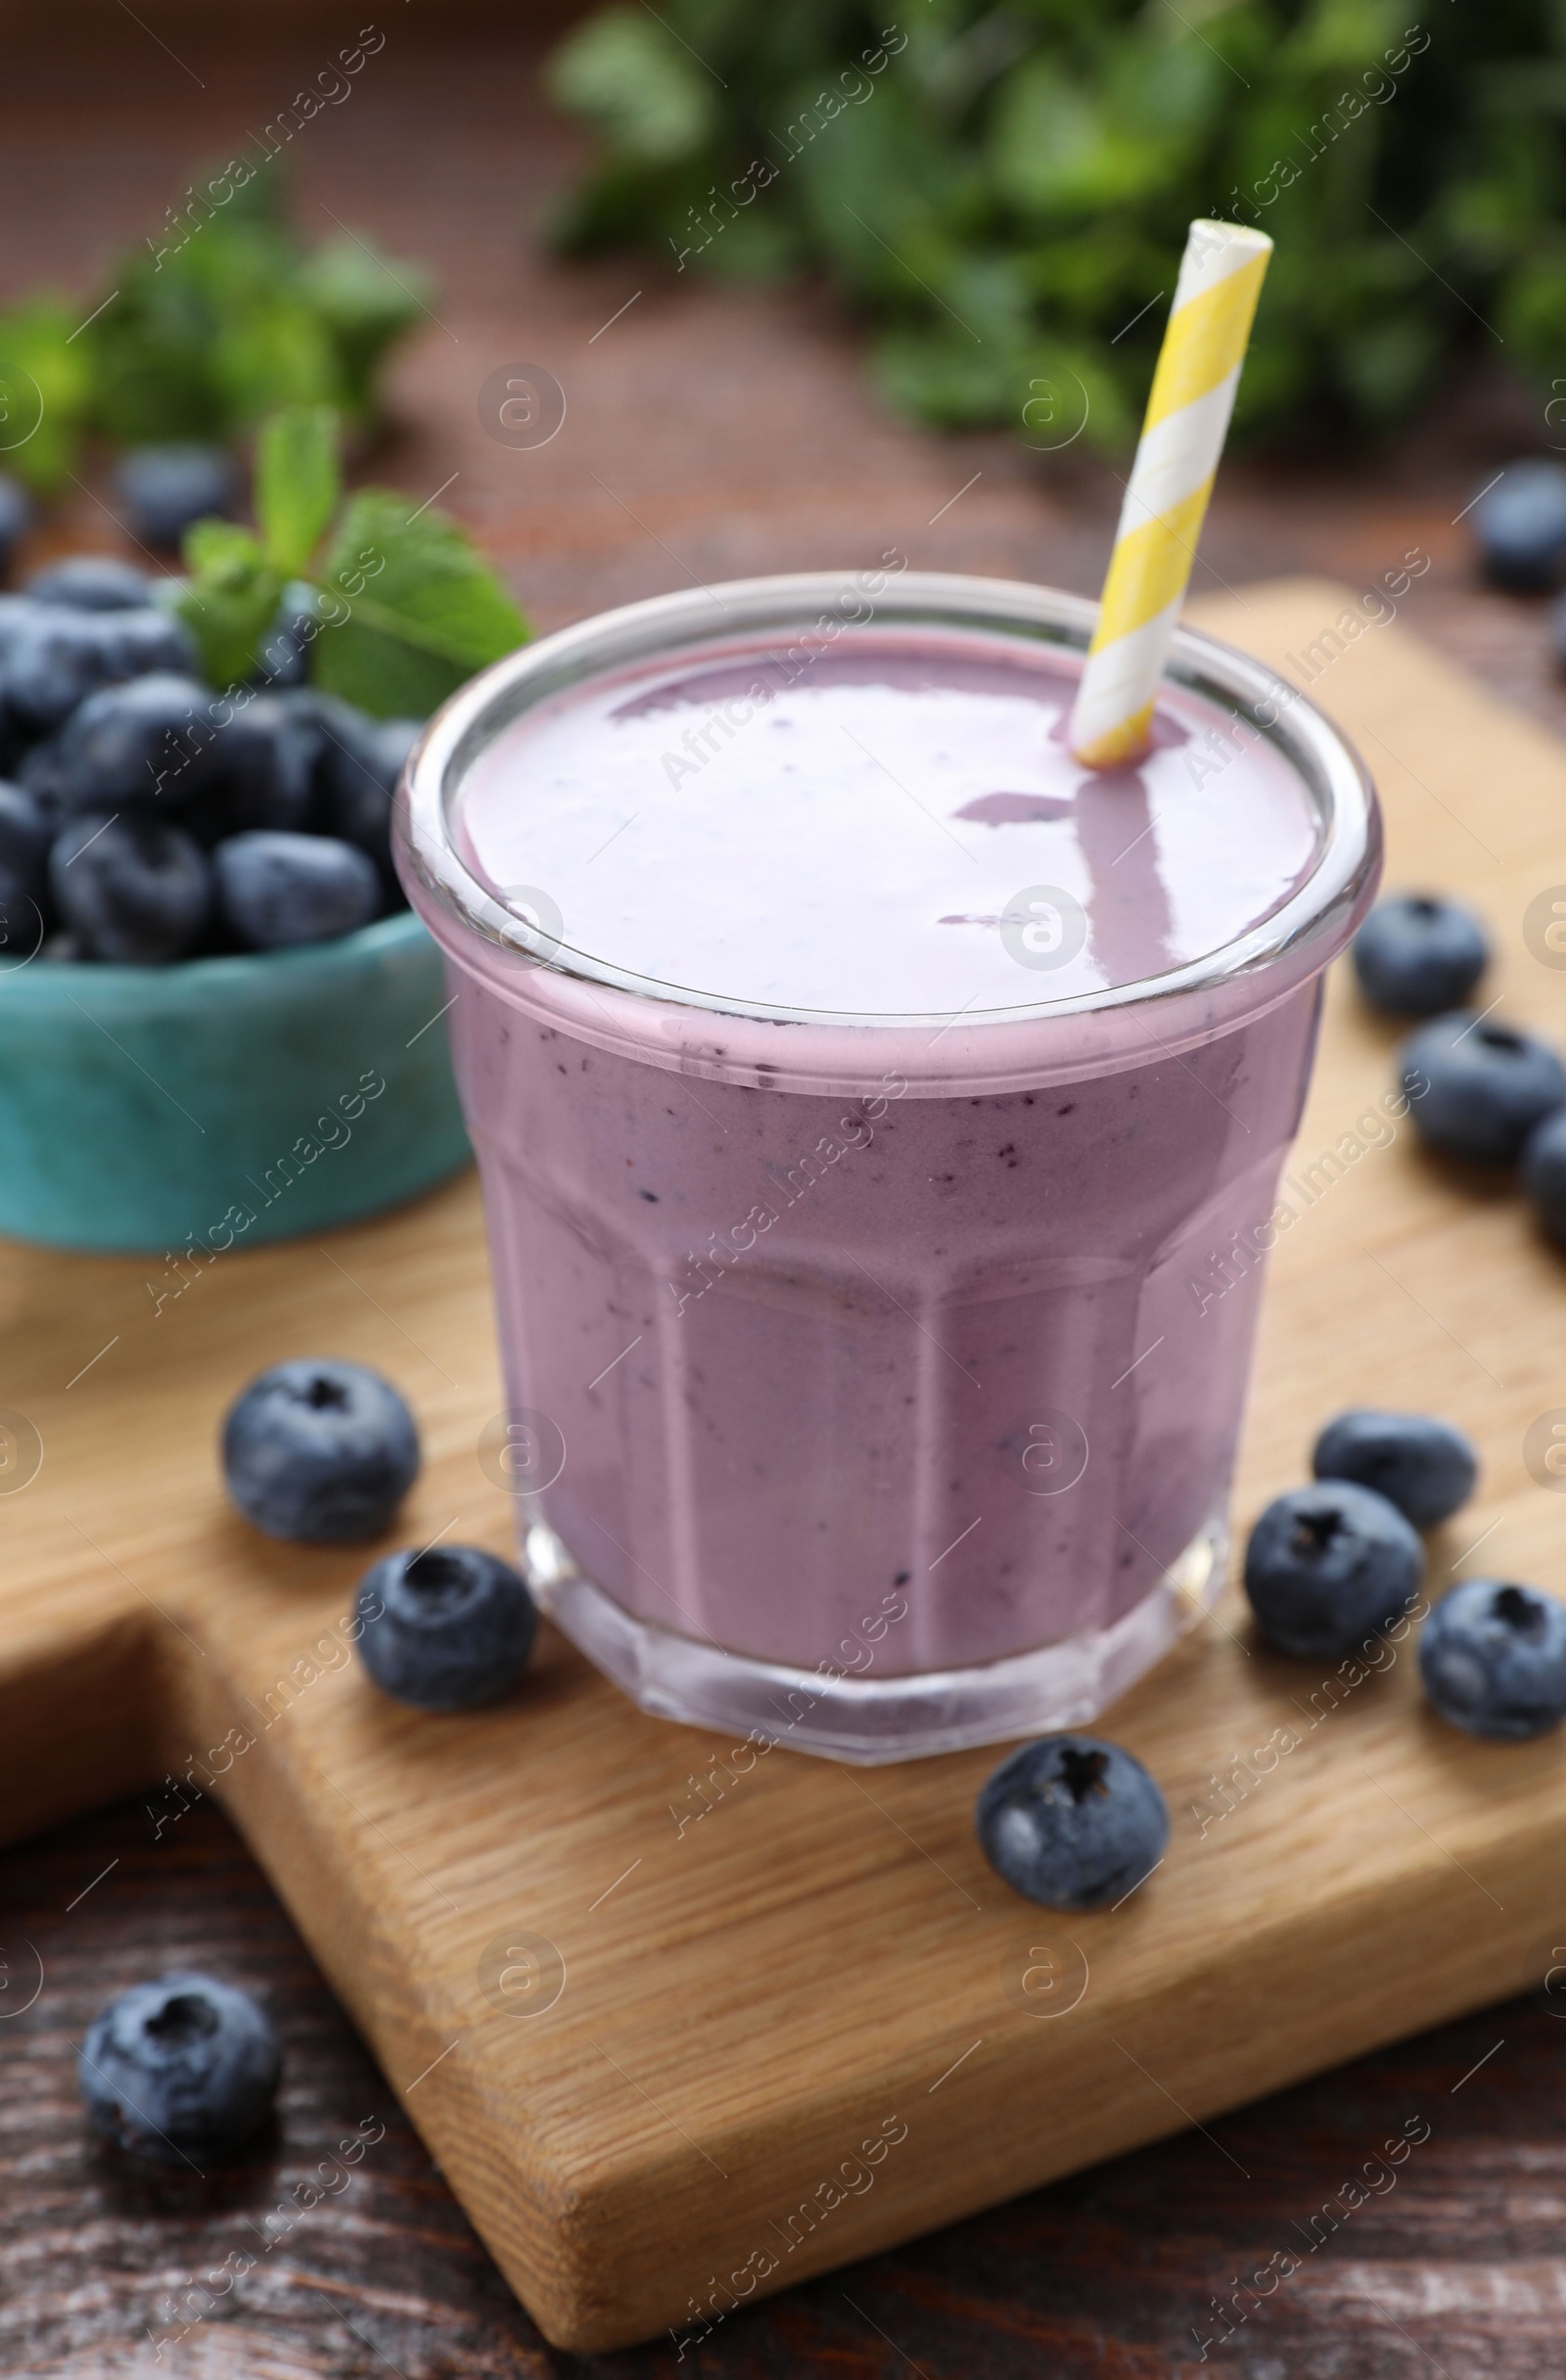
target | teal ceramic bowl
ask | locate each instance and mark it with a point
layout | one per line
(224, 1101)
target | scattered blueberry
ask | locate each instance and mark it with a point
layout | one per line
(1476, 1088)
(1543, 1175)
(16, 516)
(1328, 1567)
(1072, 1823)
(278, 890)
(180, 2068)
(1492, 1658)
(321, 1450)
(446, 1629)
(166, 487)
(91, 582)
(56, 656)
(152, 740)
(1520, 523)
(1417, 955)
(1423, 1466)
(137, 889)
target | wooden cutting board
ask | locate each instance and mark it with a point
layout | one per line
(682, 2032)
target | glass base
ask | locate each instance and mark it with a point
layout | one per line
(871, 1721)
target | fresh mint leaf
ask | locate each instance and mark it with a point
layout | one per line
(648, 97)
(297, 484)
(45, 383)
(229, 600)
(409, 609)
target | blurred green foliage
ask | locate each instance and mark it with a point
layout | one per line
(218, 319)
(1003, 190)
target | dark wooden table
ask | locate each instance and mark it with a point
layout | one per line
(709, 433)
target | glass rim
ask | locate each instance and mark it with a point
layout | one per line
(1297, 938)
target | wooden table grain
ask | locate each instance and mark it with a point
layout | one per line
(712, 433)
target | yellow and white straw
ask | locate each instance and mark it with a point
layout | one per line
(1166, 498)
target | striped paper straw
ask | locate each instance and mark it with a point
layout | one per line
(1166, 498)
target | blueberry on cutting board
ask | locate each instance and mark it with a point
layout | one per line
(1072, 1823)
(1331, 1565)
(1493, 1660)
(445, 1629)
(1423, 1466)
(1417, 955)
(319, 1451)
(1476, 1088)
(180, 2068)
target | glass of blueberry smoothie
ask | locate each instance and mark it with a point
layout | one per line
(864, 1091)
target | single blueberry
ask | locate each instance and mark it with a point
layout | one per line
(1329, 1567)
(1543, 1175)
(1520, 523)
(57, 656)
(91, 582)
(1417, 955)
(1423, 1466)
(180, 2068)
(26, 829)
(137, 889)
(150, 741)
(264, 764)
(321, 1450)
(1072, 1823)
(166, 487)
(279, 890)
(15, 517)
(1492, 1658)
(446, 1629)
(1476, 1088)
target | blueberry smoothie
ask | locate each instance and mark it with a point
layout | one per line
(861, 1090)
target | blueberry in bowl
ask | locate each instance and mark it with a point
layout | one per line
(1331, 1565)
(446, 1629)
(180, 2069)
(1493, 1660)
(166, 485)
(1477, 1088)
(1072, 1823)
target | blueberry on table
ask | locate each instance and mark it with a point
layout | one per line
(1492, 1658)
(180, 2068)
(1477, 1089)
(90, 582)
(1543, 1175)
(319, 1451)
(1331, 1565)
(1417, 954)
(1423, 1466)
(57, 656)
(16, 516)
(279, 890)
(136, 889)
(164, 488)
(1072, 1823)
(150, 742)
(1520, 523)
(446, 1629)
